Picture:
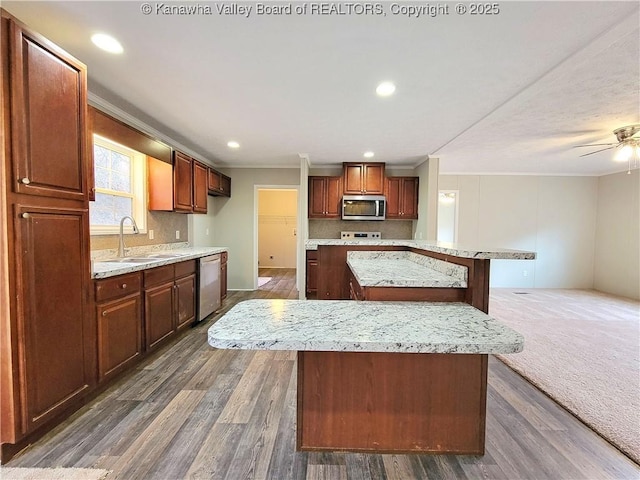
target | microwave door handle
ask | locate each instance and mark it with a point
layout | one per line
(377, 208)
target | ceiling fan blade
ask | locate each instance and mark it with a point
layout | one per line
(601, 150)
(593, 145)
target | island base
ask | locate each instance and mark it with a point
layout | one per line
(392, 402)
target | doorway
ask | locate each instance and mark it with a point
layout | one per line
(448, 216)
(277, 230)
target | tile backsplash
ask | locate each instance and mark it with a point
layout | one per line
(390, 229)
(163, 224)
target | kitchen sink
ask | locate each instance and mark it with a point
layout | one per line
(129, 260)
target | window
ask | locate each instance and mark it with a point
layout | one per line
(120, 187)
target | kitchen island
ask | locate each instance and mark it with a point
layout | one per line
(379, 376)
(331, 272)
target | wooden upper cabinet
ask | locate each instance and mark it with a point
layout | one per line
(178, 188)
(402, 197)
(199, 187)
(363, 178)
(182, 183)
(50, 145)
(219, 184)
(325, 194)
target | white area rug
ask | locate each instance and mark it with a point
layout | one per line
(263, 280)
(585, 355)
(52, 473)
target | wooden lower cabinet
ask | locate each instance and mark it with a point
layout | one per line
(312, 273)
(55, 336)
(169, 300)
(185, 294)
(392, 402)
(223, 275)
(158, 314)
(119, 321)
(119, 334)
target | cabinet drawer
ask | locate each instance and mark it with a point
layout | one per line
(312, 254)
(223, 257)
(185, 268)
(119, 286)
(158, 275)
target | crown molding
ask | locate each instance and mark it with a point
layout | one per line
(116, 112)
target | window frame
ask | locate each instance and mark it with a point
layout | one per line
(138, 188)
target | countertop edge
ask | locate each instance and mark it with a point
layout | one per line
(156, 262)
(383, 347)
(455, 251)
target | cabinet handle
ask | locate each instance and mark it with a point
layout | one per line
(25, 215)
(124, 285)
(104, 313)
(25, 181)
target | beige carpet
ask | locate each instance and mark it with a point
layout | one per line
(52, 473)
(582, 348)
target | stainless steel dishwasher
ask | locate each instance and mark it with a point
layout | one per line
(209, 288)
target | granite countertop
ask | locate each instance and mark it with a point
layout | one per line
(349, 326)
(404, 269)
(452, 249)
(102, 267)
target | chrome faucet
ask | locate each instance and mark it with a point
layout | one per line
(135, 230)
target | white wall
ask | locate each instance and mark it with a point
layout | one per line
(617, 249)
(426, 227)
(277, 228)
(234, 222)
(201, 226)
(553, 216)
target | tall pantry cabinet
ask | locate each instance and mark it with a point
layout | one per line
(48, 338)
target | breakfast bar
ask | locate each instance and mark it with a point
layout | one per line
(379, 376)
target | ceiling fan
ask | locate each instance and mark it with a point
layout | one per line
(628, 145)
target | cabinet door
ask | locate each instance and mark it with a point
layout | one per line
(223, 281)
(185, 301)
(50, 145)
(353, 178)
(182, 183)
(317, 197)
(54, 325)
(225, 185)
(158, 314)
(312, 276)
(199, 188)
(119, 334)
(373, 178)
(325, 195)
(333, 191)
(392, 193)
(213, 181)
(410, 198)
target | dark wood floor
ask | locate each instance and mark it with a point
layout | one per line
(200, 413)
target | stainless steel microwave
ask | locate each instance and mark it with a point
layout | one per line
(363, 207)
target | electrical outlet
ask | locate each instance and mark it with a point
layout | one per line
(150, 234)
(525, 273)
(206, 232)
(177, 234)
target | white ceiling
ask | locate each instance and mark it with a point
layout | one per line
(508, 93)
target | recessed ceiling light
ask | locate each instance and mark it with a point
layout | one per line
(107, 43)
(233, 144)
(385, 89)
(368, 154)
